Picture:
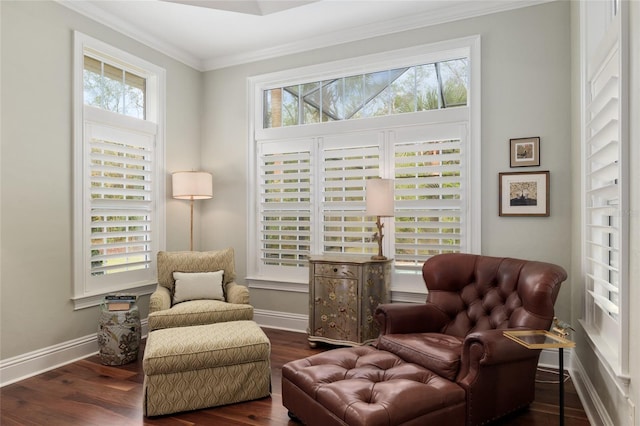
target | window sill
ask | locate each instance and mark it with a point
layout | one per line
(87, 301)
(608, 358)
(272, 283)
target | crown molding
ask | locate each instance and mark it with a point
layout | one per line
(92, 12)
(465, 10)
(468, 9)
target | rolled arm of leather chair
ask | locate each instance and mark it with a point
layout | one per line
(160, 299)
(402, 318)
(236, 293)
(491, 347)
(497, 373)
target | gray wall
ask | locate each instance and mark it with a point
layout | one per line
(36, 169)
(525, 92)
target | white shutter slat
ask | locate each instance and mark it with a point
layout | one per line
(605, 285)
(602, 228)
(118, 207)
(602, 247)
(608, 91)
(604, 303)
(438, 145)
(119, 223)
(602, 117)
(122, 267)
(609, 192)
(607, 173)
(124, 193)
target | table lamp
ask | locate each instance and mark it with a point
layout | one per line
(379, 198)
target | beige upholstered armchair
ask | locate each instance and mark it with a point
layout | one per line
(196, 288)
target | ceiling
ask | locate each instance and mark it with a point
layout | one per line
(212, 34)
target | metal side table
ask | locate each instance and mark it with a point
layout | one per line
(542, 339)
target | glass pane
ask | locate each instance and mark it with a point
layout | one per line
(454, 82)
(111, 88)
(353, 96)
(376, 94)
(403, 91)
(290, 106)
(134, 96)
(311, 102)
(272, 108)
(332, 100)
(426, 87)
(92, 84)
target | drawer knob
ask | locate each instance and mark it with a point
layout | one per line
(335, 269)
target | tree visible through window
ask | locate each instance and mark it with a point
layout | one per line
(397, 91)
(113, 89)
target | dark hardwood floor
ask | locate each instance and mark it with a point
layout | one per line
(88, 393)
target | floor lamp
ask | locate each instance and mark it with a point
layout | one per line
(192, 186)
(379, 198)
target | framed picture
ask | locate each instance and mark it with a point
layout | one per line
(524, 194)
(525, 152)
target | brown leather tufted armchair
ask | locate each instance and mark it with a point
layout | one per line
(457, 333)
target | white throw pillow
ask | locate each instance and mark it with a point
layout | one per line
(197, 285)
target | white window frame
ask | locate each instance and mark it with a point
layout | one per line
(87, 291)
(406, 286)
(603, 36)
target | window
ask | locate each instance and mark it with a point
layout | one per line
(374, 94)
(113, 89)
(606, 193)
(414, 124)
(119, 211)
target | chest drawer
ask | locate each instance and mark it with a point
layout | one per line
(336, 270)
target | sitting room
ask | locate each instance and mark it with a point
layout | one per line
(342, 153)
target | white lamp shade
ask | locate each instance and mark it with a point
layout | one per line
(379, 197)
(192, 185)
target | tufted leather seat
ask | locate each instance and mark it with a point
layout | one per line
(365, 386)
(429, 354)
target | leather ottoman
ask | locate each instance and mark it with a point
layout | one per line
(364, 386)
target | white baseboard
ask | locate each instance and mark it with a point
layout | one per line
(591, 402)
(26, 365)
(281, 320)
(39, 361)
(549, 358)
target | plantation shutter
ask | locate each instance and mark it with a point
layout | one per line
(285, 203)
(120, 193)
(347, 162)
(603, 167)
(430, 193)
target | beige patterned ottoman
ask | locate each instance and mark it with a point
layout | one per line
(189, 368)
